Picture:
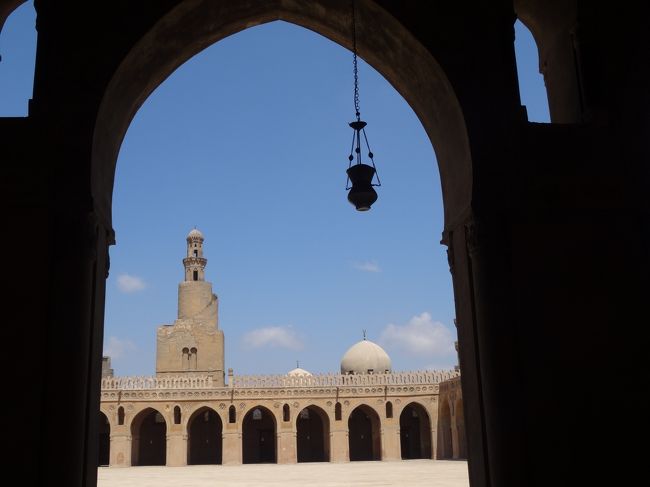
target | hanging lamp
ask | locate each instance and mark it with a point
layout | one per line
(360, 183)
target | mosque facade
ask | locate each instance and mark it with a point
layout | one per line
(193, 411)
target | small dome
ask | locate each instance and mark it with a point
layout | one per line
(365, 357)
(298, 371)
(194, 233)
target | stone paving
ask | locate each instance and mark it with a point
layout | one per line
(429, 473)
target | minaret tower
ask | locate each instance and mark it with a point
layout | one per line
(194, 344)
(195, 262)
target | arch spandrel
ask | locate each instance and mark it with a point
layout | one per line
(195, 25)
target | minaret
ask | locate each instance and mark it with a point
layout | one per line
(193, 344)
(195, 262)
(195, 293)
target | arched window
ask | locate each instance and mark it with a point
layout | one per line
(185, 360)
(532, 88)
(337, 411)
(177, 415)
(195, 275)
(18, 51)
(120, 415)
(193, 358)
(286, 414)
(389, 409)
(232, 414)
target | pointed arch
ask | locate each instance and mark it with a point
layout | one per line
(149, 438)
(415, 432)
(364, 434)
(393, 51)
(204, 437)
(313, 435)
(259, 436)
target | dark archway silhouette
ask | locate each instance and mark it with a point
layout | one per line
(415, 432)
(204, 438)
(313, 435)
(364, 434)
(392, 51)
(149, 439)
(104, 431)
(259, 436)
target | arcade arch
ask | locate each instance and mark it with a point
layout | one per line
(204, 437)
(312, 435)
(148, 438)
(415, 432)
(364, 434)
(259, 436)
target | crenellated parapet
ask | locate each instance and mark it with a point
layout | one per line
(341, 380)
(152, 382)
(280, 381)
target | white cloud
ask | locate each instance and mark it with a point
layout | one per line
(370, 266)
(116, 348)
(130, 284)
(273, 336)
(420, 336)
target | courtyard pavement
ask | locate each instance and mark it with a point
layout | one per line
(429, 473)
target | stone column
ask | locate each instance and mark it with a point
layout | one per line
(390, 442)
(287, 447)
(433, 418)
(232, 454)
(434, 442)
(339, 446)
(120, 453)
(176, 450)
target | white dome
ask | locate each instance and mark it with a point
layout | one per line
(363, 357)
(299, 371)
(194, 233)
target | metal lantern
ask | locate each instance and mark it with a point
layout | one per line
(360, 183)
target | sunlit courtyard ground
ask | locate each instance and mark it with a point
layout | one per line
(429, 473)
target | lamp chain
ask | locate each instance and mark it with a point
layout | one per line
(354, 64)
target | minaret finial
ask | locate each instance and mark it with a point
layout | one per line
(297, 364)
(364, 333)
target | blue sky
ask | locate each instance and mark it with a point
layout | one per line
(248, 141)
